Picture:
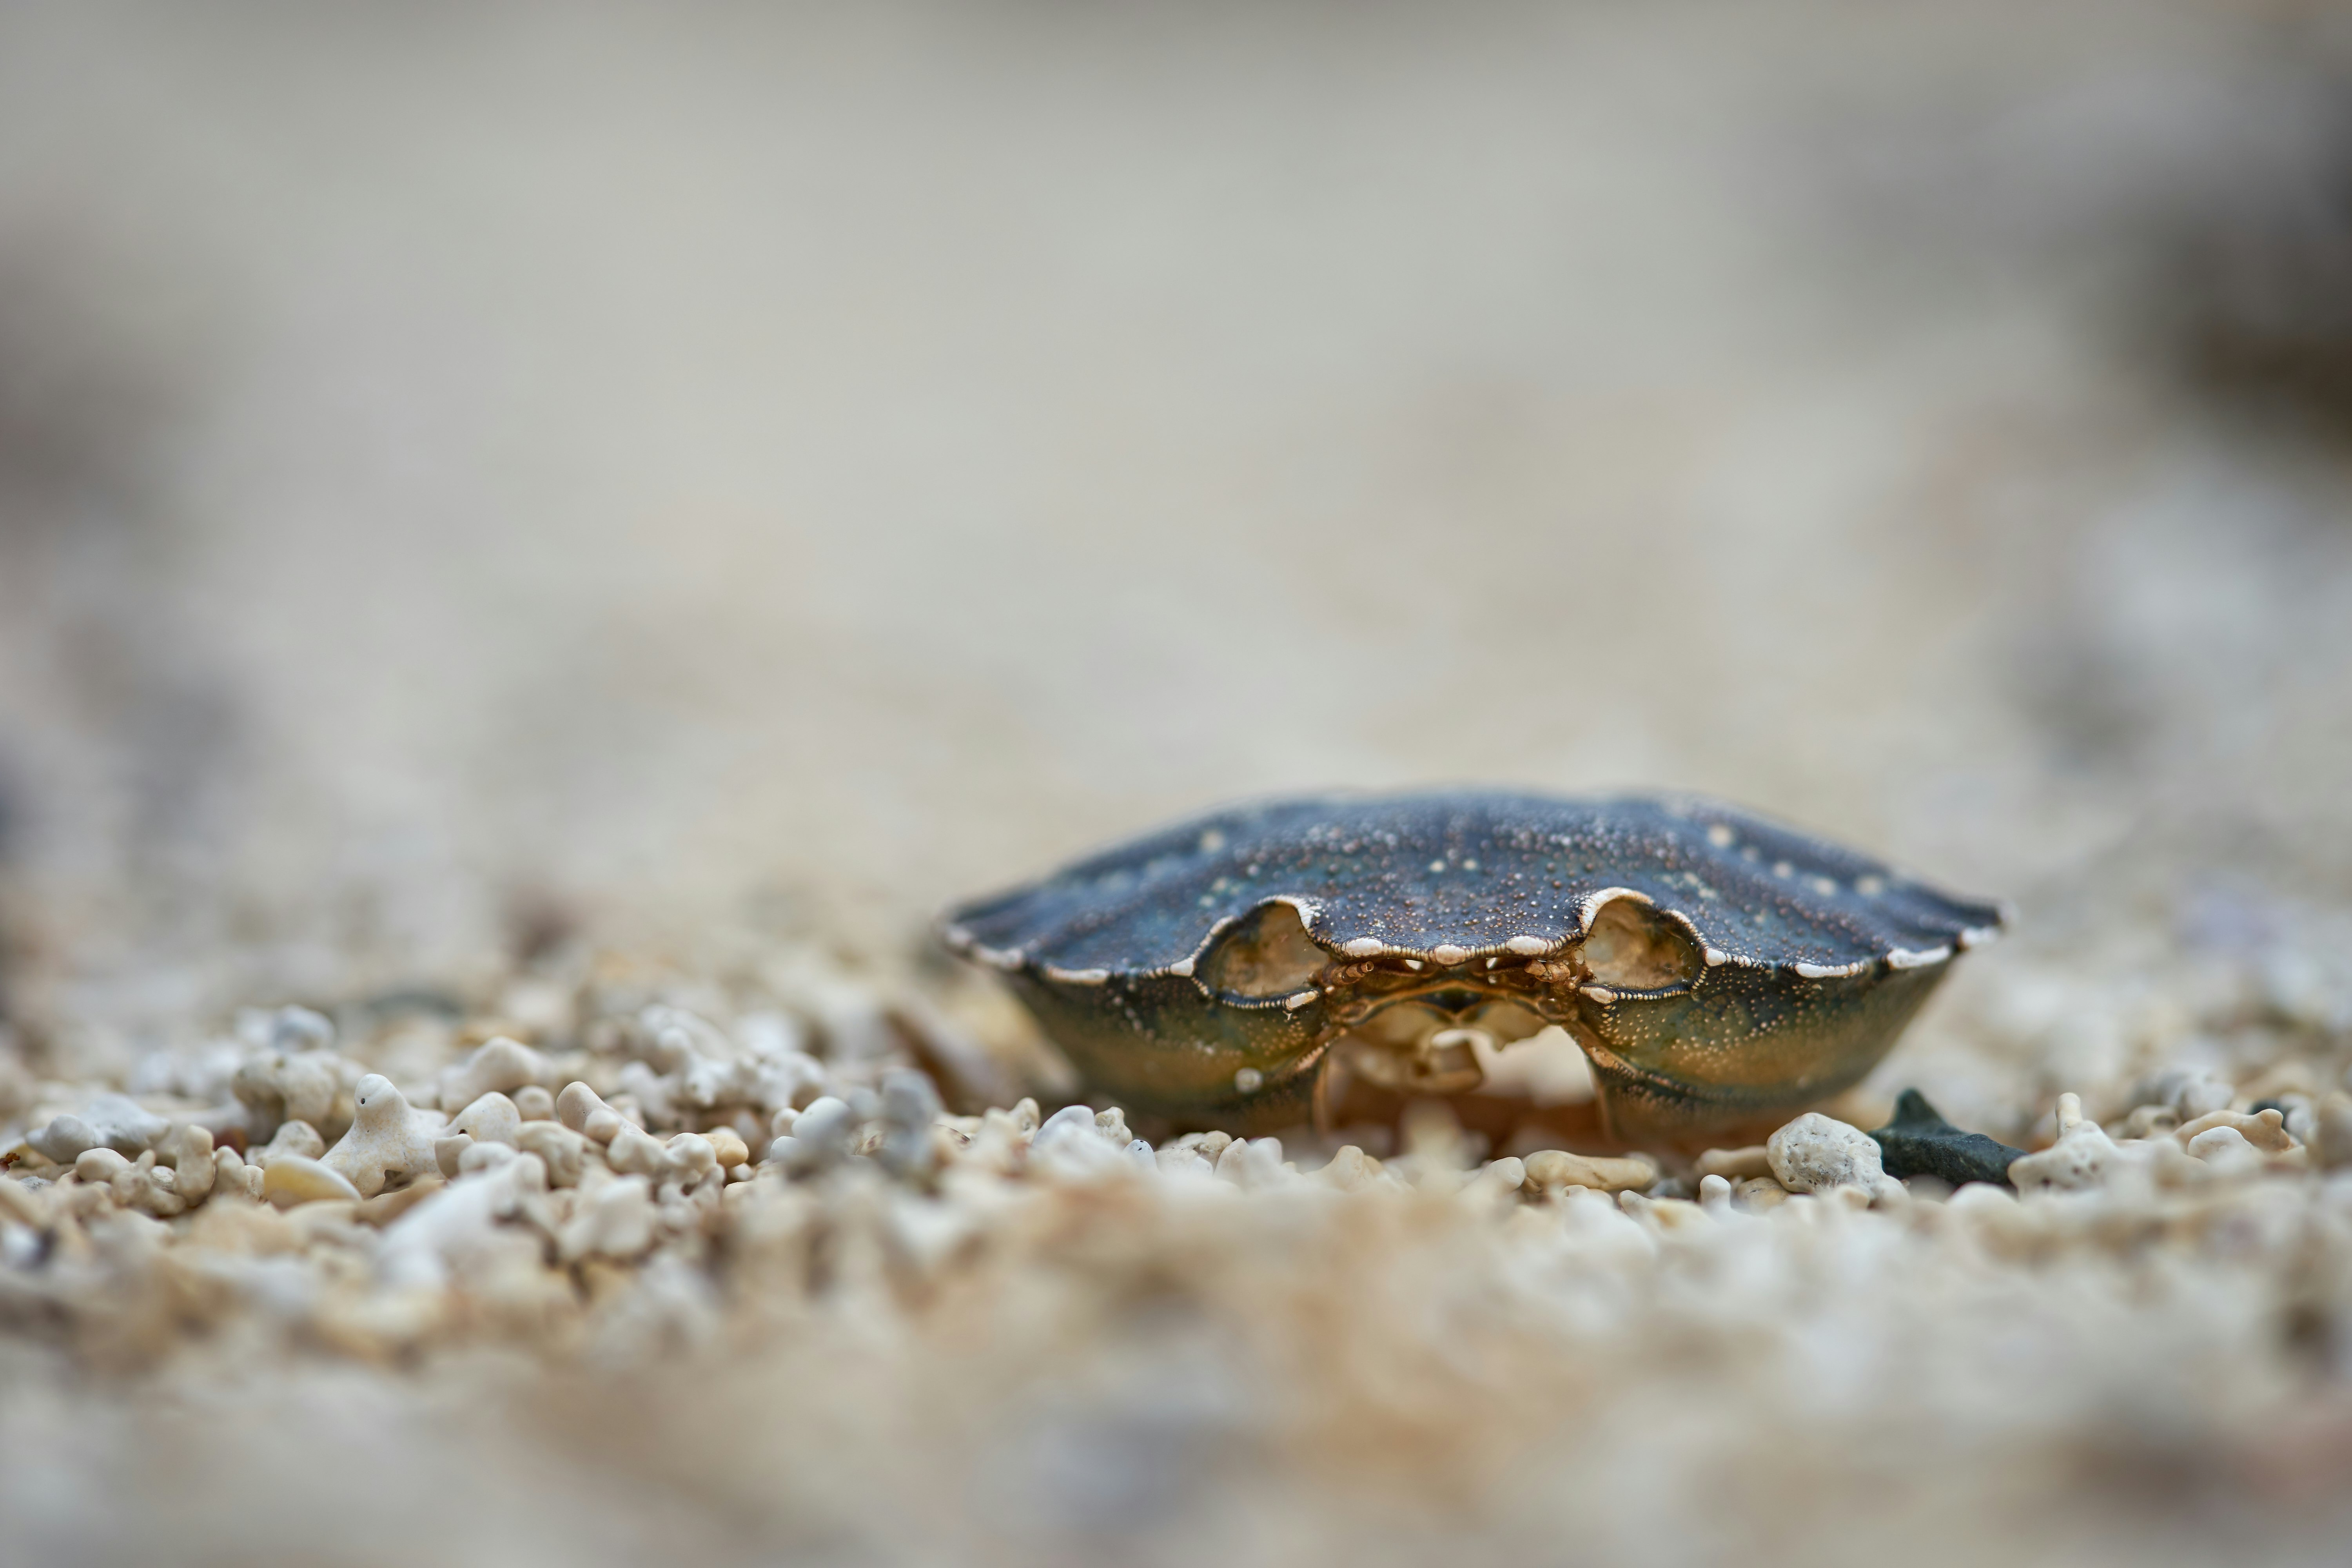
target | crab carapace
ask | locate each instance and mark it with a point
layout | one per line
(1252, 968)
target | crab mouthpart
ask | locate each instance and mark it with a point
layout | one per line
(1445, 1063)
(1438, 1042)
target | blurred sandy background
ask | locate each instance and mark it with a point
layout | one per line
(715, 475)
(469, 470)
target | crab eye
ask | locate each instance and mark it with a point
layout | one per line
(1270, 954)
(1633, 947)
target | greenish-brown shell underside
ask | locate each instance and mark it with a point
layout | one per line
(1481, 872)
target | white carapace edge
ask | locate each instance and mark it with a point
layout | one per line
(1450, 954)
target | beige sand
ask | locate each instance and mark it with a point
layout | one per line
(484, 490)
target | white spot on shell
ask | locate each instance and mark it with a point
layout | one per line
(1782, 868)
(1720, 836)
(1716, 958)
(1077, 976)
(1830, 970)
(1211, 841)
(1297, 999)
(1599, 993)
(998, 957)
(1446, 954)
(1906, 958)
(1870, 887)
(1527, 947)
(1824, 885)
(1977, 936)
(1364, 947)
(1248, 1081)
(1181, 968)
(1469, 865)
(1437, 864)
(956, 937)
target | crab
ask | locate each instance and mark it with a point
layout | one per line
(1276, 964)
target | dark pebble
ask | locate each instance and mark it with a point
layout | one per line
(1920, 1142)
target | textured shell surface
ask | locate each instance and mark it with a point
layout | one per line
(1473, 869)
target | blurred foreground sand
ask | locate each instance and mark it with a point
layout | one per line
(478, 486)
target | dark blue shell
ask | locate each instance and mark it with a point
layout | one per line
(1473, 869)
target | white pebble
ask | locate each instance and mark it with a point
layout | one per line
(475, 1158)
(231, 1174)
(2081, 1159)
(97, 1167)
(285, 1028)
(388, 1138)
(421, 1246)
(581, 1109)
(1184, 1158)
(911, 1104)
(190, 1151)
(64, 1140)
(294, 1137)
(1073, 1146)
(633, 1152)
(1495, 1182)
(827, 1119)
(500, 1066)
(292, 1179)
(112, 1121)
(691, 1156)
(491, 1119)
(1351, 1170)
(2189, 1092)
(1251, 1163)
(1815, 1153)
(310, 1084)
(2227, 1149)
(560, 1149)
(1071, 1120)
(1556, 1169)
(617, 1222)
(819, 1137)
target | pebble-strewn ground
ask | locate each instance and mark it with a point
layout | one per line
(584, 525)
(618, 1314)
